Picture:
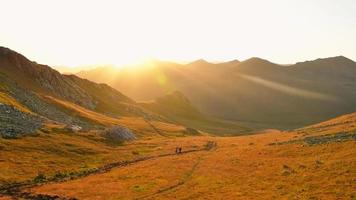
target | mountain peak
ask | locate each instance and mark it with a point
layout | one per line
(232, 62)
(4, 50)
(336, 60)
(255, 61)
(199, 62)
(175, 97)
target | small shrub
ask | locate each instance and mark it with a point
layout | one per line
(135, 153)
(59, 175)
(40, 178)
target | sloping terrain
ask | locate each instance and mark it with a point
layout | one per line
(74, 101)
(268, 165)
(18, 73)
(178, 109)
(31, 93)
(255, 91)
(342, 124)
(67, 151)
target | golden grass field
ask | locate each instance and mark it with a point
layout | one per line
(269, 164)
(59, 150)
(244, 167)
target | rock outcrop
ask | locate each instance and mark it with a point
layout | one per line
(14, 123)
(119, 134)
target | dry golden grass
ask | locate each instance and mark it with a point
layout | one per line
(83, 112)
(58, 150)
(244, 167)
(8, 100)
(22, 159)
(344, 123)
(138, 124)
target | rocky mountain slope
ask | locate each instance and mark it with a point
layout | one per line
(35, 93)
(30, 94)
(44, 80)
(255, 91)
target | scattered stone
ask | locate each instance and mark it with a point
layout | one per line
(119, 133)
(321, 139)
(14, 123)
(39, 106)
(73, 128)
(27, 195)
(324, 139)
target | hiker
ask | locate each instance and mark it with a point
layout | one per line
(177, 150)
(180, 149)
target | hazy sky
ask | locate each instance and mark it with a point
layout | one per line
(75, 33)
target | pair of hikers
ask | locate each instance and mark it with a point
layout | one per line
(211, 144)
(178, 150)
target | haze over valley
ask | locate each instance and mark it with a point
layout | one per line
(255, 91)
(177, 100)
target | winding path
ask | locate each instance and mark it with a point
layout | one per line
(15, 190)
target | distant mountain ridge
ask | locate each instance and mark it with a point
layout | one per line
(256, 91)
(37, 93)
(178, 109)
(34, 95)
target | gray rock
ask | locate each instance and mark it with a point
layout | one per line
(74, 128)
(119, 133)
(14, 123)
(37, 105)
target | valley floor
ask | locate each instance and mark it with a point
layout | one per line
(269, 165)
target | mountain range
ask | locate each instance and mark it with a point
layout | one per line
(31, 93)
(59, 133)
(255, 92)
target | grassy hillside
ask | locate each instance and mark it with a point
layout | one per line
(268, 165)
(22, 73)
(56, 149)
(342, 124)
(178, 109)
(255, 91)
(71, 100)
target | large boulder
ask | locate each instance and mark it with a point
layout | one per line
(119, 133)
